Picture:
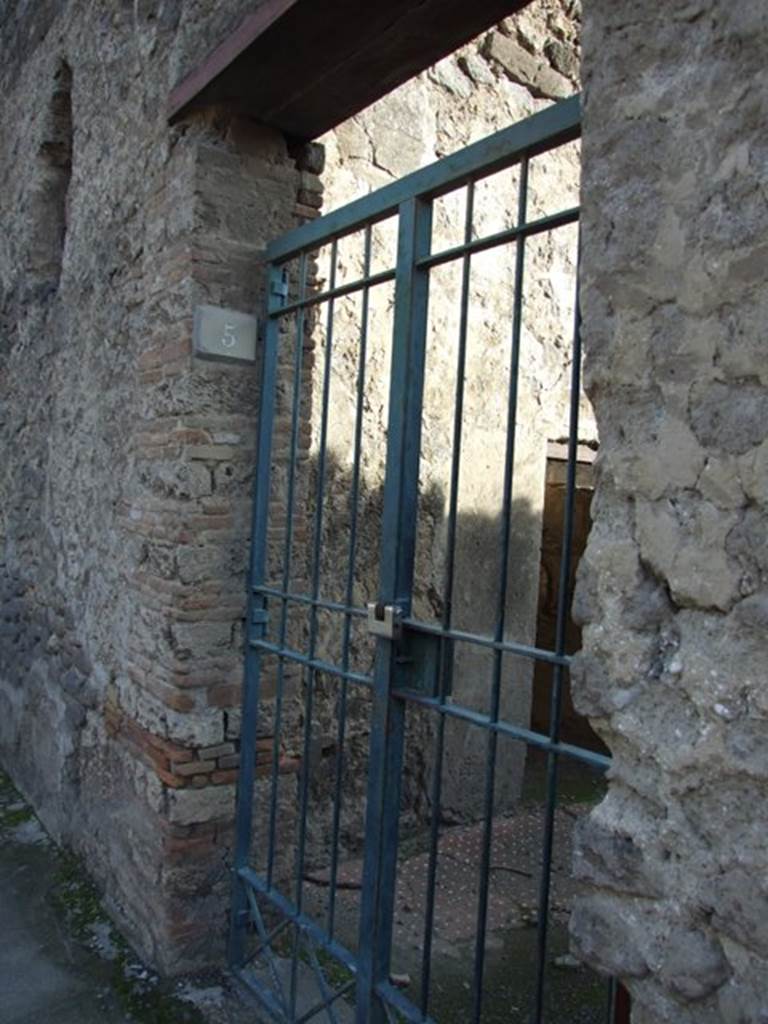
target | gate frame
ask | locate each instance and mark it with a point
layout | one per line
(411, 199)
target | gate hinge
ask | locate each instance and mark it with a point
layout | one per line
(384, 620)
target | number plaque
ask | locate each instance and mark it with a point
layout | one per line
(225, 335)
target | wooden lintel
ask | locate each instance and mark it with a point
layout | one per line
(304, 66)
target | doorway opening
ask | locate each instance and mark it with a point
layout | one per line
(413, 865)
(573, 727)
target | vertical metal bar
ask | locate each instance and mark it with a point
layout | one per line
(313, 627)
(501, 607)
(563, 604)
(287, 553)
(396, 583)
(445, 667)
(350, 584)
(256, 623)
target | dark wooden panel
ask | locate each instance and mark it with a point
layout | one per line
(623, 1006)
(306, 65)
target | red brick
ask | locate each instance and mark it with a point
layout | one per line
(150, 376)
(201, 678)
(286, 766)
(306, 212)
(227, 695)
(198, 680)
(158, 584)
(172, 750)
(179, 848)
(190, 435)
(170, 780)
(177, 701)
(160, 355)
(194, 767)
(156, 759)
(203, 523)
(216, 507)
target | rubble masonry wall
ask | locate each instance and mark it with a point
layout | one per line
(672, 589)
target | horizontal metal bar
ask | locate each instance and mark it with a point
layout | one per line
(515, 732)
(316, 663)
(535, 227)
(505, 646)
(306, 924)
(547, 129)
(479, 640)
(334, 293)
(315, 602)
(387, 991)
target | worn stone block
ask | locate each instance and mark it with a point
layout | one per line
(220, 750)
(190, 806)
(522, 67)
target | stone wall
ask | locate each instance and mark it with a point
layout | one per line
(125, 502)
(673, 590)
(127, 464)
(126, 469)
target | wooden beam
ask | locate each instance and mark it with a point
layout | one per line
(304, 66)
(226, 53)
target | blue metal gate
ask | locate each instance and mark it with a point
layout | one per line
(293, 953)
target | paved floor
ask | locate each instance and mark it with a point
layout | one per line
(61, 961)
(574, 995)
(45, 974)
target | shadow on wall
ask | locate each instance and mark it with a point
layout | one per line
(341, 714)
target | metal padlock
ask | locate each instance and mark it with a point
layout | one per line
(384, 620)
